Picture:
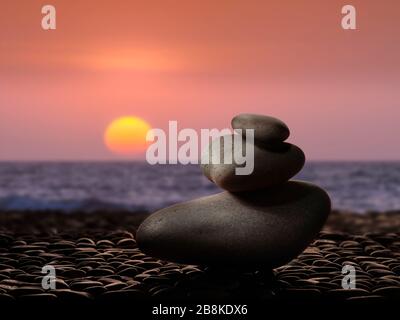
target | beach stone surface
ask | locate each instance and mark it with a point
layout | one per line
(29, 240)
(266, 129)
(253, 228)
(272, 166)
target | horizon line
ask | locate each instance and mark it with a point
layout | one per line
(144, 161)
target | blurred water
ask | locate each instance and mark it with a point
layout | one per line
(357, 186)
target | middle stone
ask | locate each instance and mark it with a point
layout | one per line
(272, 165)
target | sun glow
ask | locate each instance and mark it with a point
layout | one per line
(137, 60)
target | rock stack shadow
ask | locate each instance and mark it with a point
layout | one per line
(262, 221)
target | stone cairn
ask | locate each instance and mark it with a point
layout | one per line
(262, 220)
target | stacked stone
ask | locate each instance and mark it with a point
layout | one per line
(262, 219)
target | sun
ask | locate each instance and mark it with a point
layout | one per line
(127, 135)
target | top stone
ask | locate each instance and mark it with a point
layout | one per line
(266, 129)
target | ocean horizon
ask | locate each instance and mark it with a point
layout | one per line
(357, 186)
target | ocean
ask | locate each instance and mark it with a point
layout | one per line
(134, 186)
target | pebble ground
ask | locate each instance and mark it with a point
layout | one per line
(97, 260)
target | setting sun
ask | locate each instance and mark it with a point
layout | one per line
(127, 135)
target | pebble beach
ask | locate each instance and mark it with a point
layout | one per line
(97, 260)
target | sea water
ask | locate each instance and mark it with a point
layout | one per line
(69, 186)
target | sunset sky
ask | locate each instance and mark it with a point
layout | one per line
(199, 62)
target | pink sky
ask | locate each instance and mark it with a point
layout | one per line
(199, 62)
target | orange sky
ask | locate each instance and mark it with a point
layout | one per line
(199, 62)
